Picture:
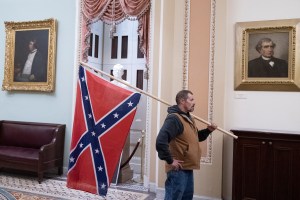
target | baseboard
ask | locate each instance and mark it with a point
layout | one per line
(65, 171)
(160, 194)
(152, 187)
(196, 197)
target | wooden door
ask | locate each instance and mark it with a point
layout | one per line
(286, 174)
(249, 160)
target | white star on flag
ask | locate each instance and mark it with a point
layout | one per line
(130, 104)
(116, 115)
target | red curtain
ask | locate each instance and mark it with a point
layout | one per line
(94, 10)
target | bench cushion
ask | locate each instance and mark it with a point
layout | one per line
(19, 154)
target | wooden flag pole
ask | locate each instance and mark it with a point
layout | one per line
(154, 97)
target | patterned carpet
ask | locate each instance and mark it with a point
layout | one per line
(27, 188)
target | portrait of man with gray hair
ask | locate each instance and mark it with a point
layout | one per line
(266, 65)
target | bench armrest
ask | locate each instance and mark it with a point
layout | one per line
(55, 149)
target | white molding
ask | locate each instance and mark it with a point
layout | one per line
(186, 47)
(149, 107)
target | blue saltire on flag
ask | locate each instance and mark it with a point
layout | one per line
(103, 115)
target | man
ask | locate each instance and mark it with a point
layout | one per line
(35, 67)
(266, 65)
(178, 144)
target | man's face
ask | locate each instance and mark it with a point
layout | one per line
(31, 46)
(189, 103)
(267, 49)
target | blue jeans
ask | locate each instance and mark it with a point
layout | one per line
(179, 185)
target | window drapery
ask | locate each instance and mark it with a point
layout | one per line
(114, 12)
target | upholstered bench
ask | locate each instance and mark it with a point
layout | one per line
(32, 146)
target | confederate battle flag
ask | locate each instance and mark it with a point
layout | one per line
(103, 115)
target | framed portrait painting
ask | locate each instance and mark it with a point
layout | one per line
(30, 55)
(266, 55)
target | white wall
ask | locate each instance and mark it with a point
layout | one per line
(256, 110)
(55, 107)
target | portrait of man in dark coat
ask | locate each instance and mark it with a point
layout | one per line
(266, 65)
(30, 58)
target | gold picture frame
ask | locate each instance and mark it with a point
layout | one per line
(30, 55)
(284, 75)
